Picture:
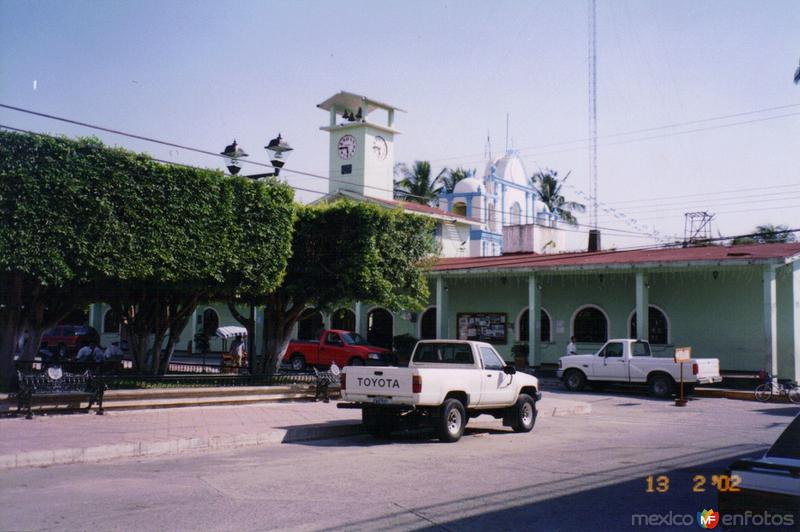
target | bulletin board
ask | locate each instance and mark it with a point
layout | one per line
(483, 327)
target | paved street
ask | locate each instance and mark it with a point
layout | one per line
(572, 473)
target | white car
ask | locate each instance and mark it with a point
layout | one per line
(627, 361)
(446, 382)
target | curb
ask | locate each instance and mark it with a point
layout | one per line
(173, 447)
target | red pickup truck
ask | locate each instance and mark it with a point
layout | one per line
(346, 348)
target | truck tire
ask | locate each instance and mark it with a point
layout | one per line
(377, 423)
(451, 421)
(355, 361)
(523, 414)
(574, 380)
(661, 386)
(298, 362)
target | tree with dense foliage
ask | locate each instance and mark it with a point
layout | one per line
(767, 234)
(547, 186)
(416, 184)
(83, 223)
(450, 178)
(345, 252)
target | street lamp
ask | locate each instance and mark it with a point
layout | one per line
(279, 151)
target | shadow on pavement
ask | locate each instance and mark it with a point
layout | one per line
(606, 500)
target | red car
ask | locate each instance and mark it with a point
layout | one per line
(346, 348)
(66, 340)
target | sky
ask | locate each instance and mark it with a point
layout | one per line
(201, 73)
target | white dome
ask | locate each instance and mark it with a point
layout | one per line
(469, 185)
(510, 168)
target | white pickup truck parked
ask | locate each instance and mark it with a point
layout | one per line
(446, 382)
(629, 361)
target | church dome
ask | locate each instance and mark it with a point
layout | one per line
(510, 168)
(469, 185)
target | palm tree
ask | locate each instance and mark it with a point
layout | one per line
(797, 76)
(766, 234)
(547, 186)
(415, 183)
(452, 177)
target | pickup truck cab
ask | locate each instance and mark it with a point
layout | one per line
(345, 348)
(628, 361)
(446, 382)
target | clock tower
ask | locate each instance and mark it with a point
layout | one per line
(361, 148)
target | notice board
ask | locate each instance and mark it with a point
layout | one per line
(482, 326)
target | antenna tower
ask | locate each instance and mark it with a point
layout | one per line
(593, 110)
(696, 227)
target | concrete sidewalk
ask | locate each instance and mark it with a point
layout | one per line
(82, 437)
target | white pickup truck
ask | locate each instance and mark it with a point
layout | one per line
(629, 361)
(446, 382)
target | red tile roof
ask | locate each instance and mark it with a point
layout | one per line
(718, 254)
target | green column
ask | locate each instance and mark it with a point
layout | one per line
(770, 319)
(534, 319)
(796, 318)
(642, 307)
(441, 308)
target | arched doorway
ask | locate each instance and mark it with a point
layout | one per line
(310, 325)
(210, 322)
(590, 325)
(659, 326)
(427, 325)
(380, 328)
(344, 319)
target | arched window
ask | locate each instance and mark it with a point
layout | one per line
(524, 331)
(590, 325)
(344, 319)
(516, 214)
(310, 325)
(111, 322)
(427, 325)
(210, 322)
(380, 328)
(460, 207)
(658, 325)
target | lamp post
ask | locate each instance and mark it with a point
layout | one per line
(279, 151)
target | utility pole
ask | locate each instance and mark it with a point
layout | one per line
(594, 233)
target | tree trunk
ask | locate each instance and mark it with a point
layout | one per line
(9, 325)
(279, 320)
(179, 315)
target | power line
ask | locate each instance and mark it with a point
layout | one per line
(214, 154)
(636, 131)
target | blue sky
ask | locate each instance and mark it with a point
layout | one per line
(202, 73)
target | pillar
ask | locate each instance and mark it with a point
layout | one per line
(534, 319)
(771, 318)
(796, 319)
(642, 307)
(357, 310)
(258, 327)
(441, 308)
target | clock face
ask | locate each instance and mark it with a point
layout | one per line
(347, 147)
(380, 148)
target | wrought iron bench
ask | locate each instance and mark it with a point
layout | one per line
(54, 384)
(325, 381)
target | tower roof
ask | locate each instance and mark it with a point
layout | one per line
(348, 100)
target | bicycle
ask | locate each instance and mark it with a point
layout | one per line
(765, 392)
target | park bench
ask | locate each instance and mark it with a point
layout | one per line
(325, 381)
(55, 385)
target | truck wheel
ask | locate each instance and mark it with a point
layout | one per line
(355, 361)
(574, 380)
(661, 386)
(524, 414)
(450, 424)
(377, 424)
(298, 362)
